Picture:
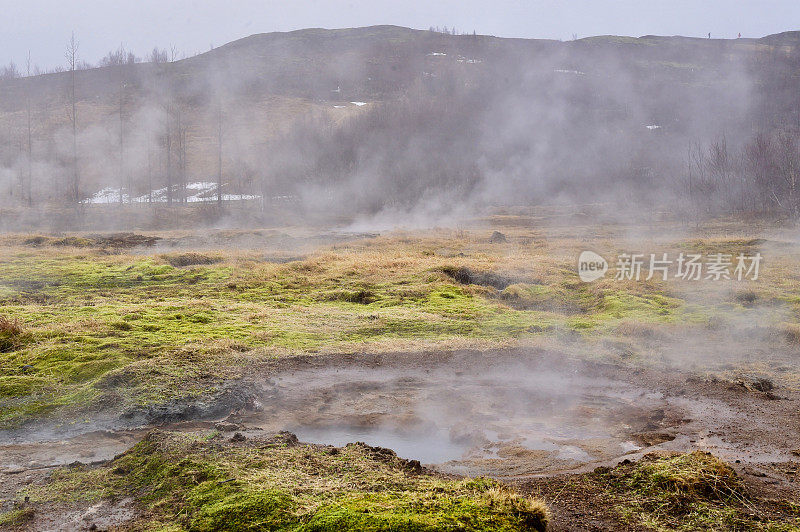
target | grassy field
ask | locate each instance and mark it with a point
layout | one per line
(90, 328)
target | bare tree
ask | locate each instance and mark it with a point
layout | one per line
(166, 96)
(788, 162)
(30, 143)
(219, 151)
(181, 131)
(759, 168)
(158, 56)
(121, 54)
(117, 57)
(168, 149)
(72, 64)
(720, 174)
(10, 71)
(149, 170)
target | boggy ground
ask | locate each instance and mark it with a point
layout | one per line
(339, 336)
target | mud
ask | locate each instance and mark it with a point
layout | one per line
(515, 414)
(189, 411)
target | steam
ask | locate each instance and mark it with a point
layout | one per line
(391, 126)
(463, 409)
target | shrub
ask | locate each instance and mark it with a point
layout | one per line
(10, 334)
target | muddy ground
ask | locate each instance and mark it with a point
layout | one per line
(533, 418)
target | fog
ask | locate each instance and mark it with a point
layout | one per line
(386, 126)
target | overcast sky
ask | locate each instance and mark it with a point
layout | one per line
(44, 26)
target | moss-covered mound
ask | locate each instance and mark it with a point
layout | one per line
(207, 482)
(694, 491)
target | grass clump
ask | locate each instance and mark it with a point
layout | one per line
(545, 298)
(688, 478)
(180, 260)
(791, 332)
(202, 482)
(363, 296)
(11, 334)
(464, 275)
(534, 513)
(686, 491)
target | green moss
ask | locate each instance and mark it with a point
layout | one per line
(254, 510)
(16, 517)
(418, 512)
(648, 306)
(194, 481)
(16, 385)
(581, 323)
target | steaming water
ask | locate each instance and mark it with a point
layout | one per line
(469, 411)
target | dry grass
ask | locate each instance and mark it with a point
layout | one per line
(791, 331)
(10, 326)
(534, 512)
(694, 491)
(697, 475)
(636, 329)
(10, 334)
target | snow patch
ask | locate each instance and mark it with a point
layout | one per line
(196, 191)
(108, 195)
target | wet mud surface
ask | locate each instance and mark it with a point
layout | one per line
(516, 414)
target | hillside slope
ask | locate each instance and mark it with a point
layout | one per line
(148, 126)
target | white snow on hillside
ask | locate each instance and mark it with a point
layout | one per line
(107, 195)
(196, 191)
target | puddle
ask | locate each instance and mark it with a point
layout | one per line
(428, 447)
(86, 448)
(483, 415)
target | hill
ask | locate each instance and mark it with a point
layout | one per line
(153, 125)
